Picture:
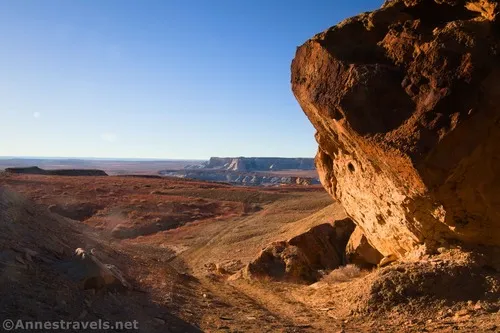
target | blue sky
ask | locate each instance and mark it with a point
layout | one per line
(156, 79)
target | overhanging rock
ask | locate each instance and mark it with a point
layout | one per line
(406, 104)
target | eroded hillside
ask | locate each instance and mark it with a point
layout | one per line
(195, 275)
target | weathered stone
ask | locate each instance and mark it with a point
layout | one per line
(405, 104)
(229, 266)
(93, 274)
(300, 258)
(360, 252)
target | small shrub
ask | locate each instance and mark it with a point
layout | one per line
(342, 274)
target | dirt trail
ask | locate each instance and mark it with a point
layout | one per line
(213, 304)
(230, 306)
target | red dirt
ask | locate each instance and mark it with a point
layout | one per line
(175, 285)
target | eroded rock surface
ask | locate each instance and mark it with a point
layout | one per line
(94, 274)
(405, 103)
(302, 257)
(360, 252)
(259, 163)
(240, 178)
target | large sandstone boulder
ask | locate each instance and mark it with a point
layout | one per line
(405, 101)
(301, 258)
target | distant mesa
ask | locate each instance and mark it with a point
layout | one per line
(259, 163)
(251, 171)
(240, 178)
(61, 172)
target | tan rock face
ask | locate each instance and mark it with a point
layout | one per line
(300, 258)
(360, 252)
(406, 104)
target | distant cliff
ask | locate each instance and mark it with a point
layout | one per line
(240, 178)
(259, 163)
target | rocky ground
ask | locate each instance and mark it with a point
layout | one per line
(191, 277)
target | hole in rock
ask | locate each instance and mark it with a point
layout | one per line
(380, 219)
(351, 167)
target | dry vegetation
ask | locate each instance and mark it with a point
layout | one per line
(342, 274)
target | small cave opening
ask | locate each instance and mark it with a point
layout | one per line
(351, 167)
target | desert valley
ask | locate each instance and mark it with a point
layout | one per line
(394, 226)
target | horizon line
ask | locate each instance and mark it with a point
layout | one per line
(131, 159)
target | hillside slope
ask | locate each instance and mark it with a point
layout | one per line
(42, 278)
(188, 277)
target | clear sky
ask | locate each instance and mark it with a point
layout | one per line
(156, 79)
